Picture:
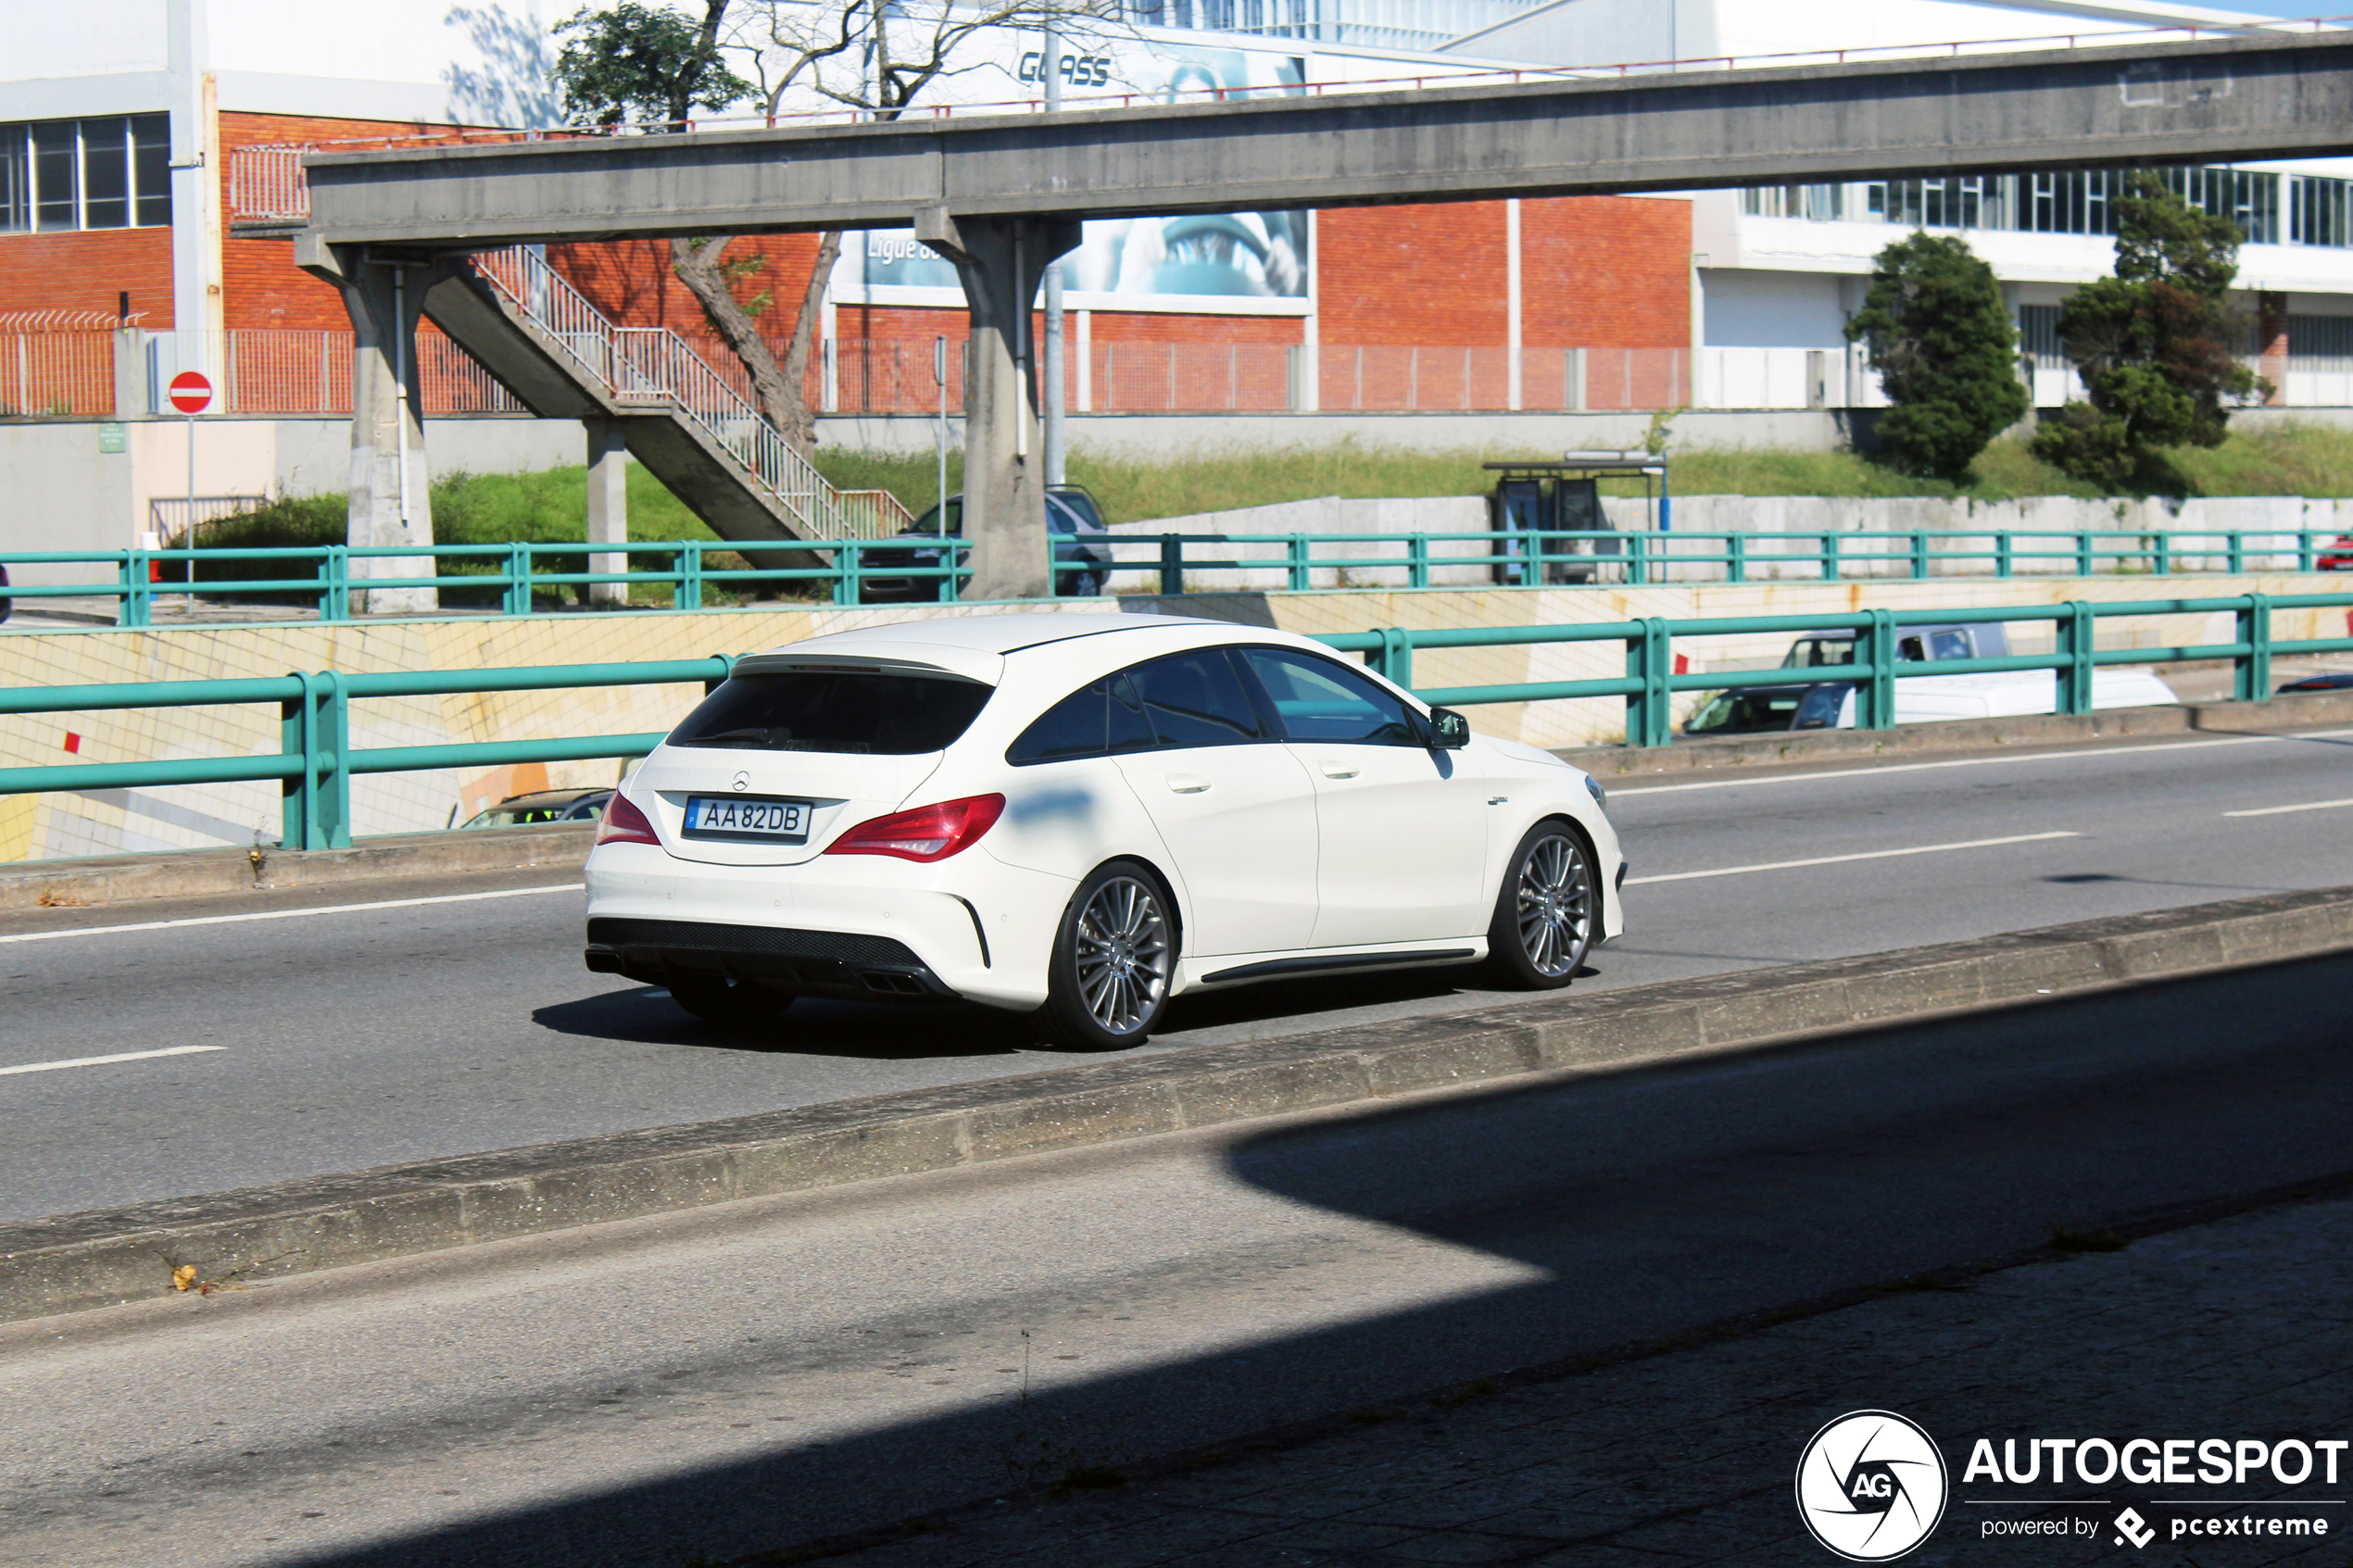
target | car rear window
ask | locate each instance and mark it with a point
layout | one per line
(807, 710)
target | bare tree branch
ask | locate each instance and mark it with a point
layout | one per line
(875, 55)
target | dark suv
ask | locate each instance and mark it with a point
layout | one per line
(1074, 523)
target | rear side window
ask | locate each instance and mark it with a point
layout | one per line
(1810, 652)
(1196, 699)
(1105, 717)
(808, 710)
(1319, 700)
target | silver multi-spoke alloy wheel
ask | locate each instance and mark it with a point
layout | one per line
(1121, 952)
(1554, 903)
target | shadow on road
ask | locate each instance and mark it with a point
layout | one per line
(812, 1026)
(1639, 1204)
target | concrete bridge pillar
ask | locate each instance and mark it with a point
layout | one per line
(390, 503)
(1002, 261)
(608, 506)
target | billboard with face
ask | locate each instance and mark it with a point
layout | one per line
(1140, 262)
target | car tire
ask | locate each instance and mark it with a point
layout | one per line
(1546, 911)
(1115, 955)
(716, 1000)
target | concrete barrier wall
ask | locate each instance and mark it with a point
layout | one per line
(111, 822)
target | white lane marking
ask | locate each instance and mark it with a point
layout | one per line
(1840, 859)
(2275, 810)
(291, 914)
(102, 1060)
(1975, 762)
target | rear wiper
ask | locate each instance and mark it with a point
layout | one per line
(737, 737)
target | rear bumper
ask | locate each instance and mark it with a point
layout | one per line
(824, 963)
(849, 926)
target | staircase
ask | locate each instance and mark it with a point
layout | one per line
(525, 323)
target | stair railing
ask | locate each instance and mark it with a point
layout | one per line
(655, 366)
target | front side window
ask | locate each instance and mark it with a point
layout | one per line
(1196, 699)
(1318, 700)
(848, 711)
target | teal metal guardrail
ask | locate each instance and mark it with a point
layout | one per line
(512, 579)
(316, 762)
(1649, 681)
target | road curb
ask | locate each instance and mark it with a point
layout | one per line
(73, 1263)
(2296, 710)
(197, 874)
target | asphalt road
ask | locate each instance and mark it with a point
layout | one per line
(338, 1038)
(702, 1385)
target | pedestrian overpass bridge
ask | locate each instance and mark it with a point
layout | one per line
(1003, 196)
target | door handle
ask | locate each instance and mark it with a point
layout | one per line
(1339, 770)
(1187, 783)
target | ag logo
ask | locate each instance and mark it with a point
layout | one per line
(1870, 1485)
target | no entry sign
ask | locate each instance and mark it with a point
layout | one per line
(191, 392)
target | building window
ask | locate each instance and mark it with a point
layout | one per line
(2249, 200)
(1976, 201)
(2038, 337)
(2317, 211)
(64, 174)
(2076, 201)
(2071, 201)
(2320, 343)
(1823, 204)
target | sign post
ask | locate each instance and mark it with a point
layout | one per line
(190, 393)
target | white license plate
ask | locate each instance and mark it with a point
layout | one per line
(736, 816)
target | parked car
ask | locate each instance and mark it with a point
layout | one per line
(1920, 699)
(2325, 682)
(1074, 523)
(6, 603)
(543, 806)
(2339, 556)
(1079, 816)
(1914, 645)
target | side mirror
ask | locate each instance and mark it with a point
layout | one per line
(1449, 730)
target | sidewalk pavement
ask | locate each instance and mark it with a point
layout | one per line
(2241, 1327)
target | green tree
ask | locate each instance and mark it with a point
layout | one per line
(643, 66)
(2154, 345)
(1945, 352)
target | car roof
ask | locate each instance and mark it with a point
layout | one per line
(551, 797)
(976, 646)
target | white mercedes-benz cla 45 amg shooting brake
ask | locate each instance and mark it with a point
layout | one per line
(1078, 817)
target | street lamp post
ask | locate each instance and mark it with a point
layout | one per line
(1050, 389)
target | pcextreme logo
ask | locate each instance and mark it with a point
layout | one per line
(1871, 1485)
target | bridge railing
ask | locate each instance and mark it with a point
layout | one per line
(518, 579)
(316, 761)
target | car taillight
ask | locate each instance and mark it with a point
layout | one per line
(623, 824)
(927, 832)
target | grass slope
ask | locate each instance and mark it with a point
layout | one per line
(551, 506)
